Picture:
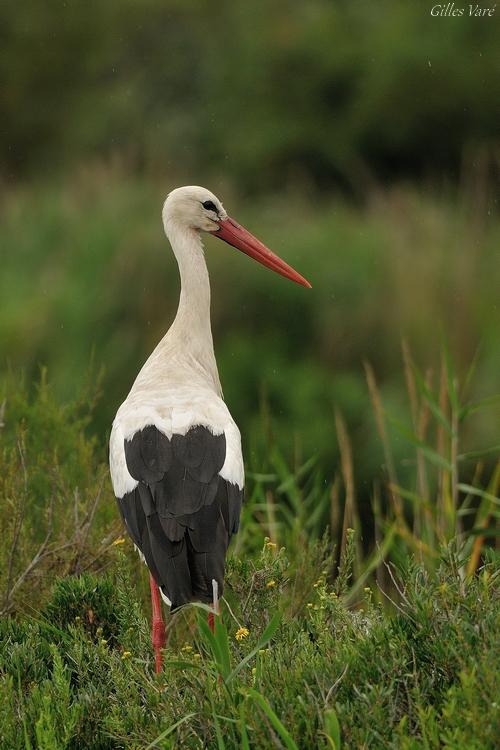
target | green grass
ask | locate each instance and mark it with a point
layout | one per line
(380, 634)
(310, 671)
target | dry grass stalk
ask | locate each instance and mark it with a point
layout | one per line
(479, 541)
(335, 509)
(380, 572)
(351, 519)
(410, 380)
(421, 432)
(381, 427)
(418, 414)
(441, 446)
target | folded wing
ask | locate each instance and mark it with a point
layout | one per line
(182, 513)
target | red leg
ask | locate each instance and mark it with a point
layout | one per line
(211, 621)
(216, 609)
(158, 633)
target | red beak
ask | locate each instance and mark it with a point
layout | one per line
(237, 236)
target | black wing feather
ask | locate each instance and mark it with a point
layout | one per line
(148, 455)
(182, 513)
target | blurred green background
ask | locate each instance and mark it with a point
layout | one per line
(359, 140)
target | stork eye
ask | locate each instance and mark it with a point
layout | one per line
(209, 205)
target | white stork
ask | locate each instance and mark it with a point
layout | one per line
(175, 452)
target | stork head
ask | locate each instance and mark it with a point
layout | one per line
(196, 208)
(193, 207)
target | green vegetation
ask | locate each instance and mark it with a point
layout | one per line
(386, 644)
(269, 94)
(317, 675)
(86, 269)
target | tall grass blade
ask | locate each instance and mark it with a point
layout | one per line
(475, 406)
(484, 513)
(332, 728)
(433, 456)
(431, 401)
(474, 455)
(169, 731)
(245, 744)
(218, 732)
(381, 427)
(346, 464)
(479, 493)
(277, 725)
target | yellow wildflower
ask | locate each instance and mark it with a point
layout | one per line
(187, 648)
(271, 584)
(126, 655)
(270, 545)
(241, 633)
(120, 540)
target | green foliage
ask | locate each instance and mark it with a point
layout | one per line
(332, 729)
(96, 605)
(56, 508)
(288, 93)
(58, 714)
(421, 675)
(388, 643)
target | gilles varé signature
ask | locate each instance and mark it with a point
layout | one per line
(451, 10)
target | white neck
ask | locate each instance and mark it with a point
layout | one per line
(193, 313)
(190, 336)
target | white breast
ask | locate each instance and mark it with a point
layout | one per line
(173, 411)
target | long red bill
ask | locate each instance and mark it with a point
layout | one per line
(239, 237)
